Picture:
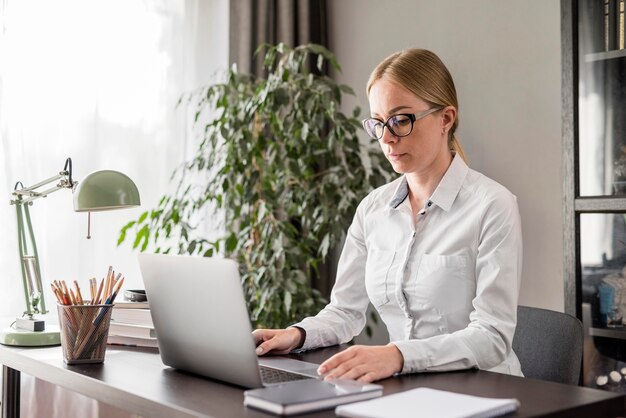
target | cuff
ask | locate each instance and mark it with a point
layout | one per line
(302, 336)
(415, 359)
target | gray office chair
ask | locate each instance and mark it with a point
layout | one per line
(549, 345)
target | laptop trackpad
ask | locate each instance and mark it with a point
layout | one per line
(297, 366)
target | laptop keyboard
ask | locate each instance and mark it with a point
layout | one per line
(269, 375)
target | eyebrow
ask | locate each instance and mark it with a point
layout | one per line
(394, 110)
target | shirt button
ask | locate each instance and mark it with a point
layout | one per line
(430, 203)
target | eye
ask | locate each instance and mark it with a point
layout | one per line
(400, 120)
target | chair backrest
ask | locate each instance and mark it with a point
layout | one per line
(549, 345)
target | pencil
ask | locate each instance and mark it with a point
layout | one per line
(92, 291)
(79, 296)
(117, 289)
(107, 285)
(56, 293)
(64, 299)
(60, 292)
(72, 300)
(113, 283)
(111, 278)
(64, 287)
(97, 302)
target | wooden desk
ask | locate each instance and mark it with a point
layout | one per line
(135, 379)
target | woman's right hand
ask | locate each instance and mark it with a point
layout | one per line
(276, 341)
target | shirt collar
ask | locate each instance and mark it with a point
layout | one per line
(446, 191)
(401, 193)
(450, 184)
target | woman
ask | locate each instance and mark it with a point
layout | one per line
(438, 251)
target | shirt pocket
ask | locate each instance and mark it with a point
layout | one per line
(445, 282)
(377, 275)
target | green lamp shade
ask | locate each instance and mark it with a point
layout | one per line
(105, 190)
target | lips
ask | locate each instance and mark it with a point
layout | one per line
(395, 156)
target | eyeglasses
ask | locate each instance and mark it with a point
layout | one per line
(399, 125)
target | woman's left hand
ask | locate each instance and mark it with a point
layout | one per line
(363, 363)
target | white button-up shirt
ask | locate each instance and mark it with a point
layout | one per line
(445, 284)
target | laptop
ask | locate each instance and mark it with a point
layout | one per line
(202, 324)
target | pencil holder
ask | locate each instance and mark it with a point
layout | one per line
(84, 332)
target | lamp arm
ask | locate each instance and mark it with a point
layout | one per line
(37, 195)
(28, 194)
(21, 238)
(29, 263)
(26, 190)
(37, 272)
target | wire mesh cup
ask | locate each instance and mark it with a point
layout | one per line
(84, 332)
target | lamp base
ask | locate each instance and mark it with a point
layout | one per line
(20, 337)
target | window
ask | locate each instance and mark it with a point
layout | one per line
(97, 81)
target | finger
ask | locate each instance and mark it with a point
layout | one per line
(266, 347)
(352, 373)
(336, 360)
(263, 348)
(258, 335)
(262, 335)
(368, 377)
(336, 374)
(350, 369)
(276, 342)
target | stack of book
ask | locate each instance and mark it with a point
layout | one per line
(131, 324)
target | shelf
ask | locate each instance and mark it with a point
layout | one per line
(600, 204)
(618, 333)
(594, 226)
(603, 56)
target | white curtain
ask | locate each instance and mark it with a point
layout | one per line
(97, 81)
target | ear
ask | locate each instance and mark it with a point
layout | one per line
(448, 116)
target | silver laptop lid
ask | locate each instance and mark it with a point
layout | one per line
(200, 317)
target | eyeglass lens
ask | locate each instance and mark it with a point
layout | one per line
(399, 125)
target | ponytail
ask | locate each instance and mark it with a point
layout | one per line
(455, 146)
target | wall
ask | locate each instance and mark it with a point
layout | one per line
(505, 59)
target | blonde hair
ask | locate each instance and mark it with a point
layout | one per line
(422, 73)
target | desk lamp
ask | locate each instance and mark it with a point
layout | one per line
(99, 191)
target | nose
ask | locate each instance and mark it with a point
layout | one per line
(388, 137)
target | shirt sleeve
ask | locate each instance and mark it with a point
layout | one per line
(486, 341)
(344, 317)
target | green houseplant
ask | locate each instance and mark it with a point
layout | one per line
(282, 167)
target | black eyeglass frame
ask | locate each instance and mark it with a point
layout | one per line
(413, 117)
